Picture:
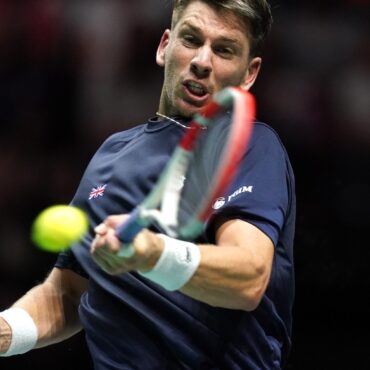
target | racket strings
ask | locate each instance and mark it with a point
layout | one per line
(207, 159)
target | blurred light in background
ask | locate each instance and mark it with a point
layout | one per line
(73, 72)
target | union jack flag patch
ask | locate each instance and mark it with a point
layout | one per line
(97, 192)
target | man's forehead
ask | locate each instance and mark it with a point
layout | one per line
(199, 16)
(226, 37)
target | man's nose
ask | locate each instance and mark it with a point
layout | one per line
(201, 65)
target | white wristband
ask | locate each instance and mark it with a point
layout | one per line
(176, 265)
(24, 331)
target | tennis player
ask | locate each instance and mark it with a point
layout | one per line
(228, 304)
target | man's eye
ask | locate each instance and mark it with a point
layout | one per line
(225, 51)
(190, 40)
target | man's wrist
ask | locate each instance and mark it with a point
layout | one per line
(23, 329)
(5, 336)
(156, 248)
(176, 265)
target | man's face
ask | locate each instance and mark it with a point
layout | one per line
(205, 52)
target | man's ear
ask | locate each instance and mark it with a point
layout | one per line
(161, 50)
(252, 73)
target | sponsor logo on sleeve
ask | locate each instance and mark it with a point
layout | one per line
(220, 202)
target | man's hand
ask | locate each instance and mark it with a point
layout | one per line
(147, 248)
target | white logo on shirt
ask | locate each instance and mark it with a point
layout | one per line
(243, 189)
(220, 202)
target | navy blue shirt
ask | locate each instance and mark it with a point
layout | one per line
(131, 322)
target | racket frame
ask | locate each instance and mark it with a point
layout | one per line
(165, 194)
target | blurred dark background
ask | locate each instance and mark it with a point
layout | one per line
(74, 71)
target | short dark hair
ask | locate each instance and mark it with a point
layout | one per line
(255, 13)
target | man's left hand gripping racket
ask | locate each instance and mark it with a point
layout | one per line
(200, 170)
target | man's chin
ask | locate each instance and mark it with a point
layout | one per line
(188, 110)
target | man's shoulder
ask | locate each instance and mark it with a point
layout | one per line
(262, 129)
(119, 139)
(267, 139)
(126, 135)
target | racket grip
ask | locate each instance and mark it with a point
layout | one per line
(128, 229)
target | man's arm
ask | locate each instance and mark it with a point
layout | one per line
(233, 274)
(53, 306)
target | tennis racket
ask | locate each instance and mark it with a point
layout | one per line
(200, 170)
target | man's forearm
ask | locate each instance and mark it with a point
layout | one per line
(52, 308)
(35, 320)
(235, 273)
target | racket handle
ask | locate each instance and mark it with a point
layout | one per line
(128, 229)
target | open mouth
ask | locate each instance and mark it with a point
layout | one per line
(196, 89)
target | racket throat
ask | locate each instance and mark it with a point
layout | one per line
(192, 229)
(158, 219)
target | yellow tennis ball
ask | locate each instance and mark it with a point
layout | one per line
(57, 227)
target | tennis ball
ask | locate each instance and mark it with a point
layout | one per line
(57, 227)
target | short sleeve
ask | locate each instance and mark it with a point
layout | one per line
(67, 260)
(261, 192)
